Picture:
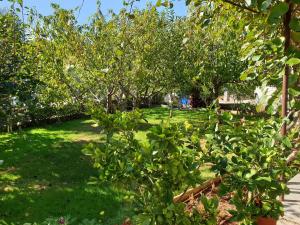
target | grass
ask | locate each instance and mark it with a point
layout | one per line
(45, 174)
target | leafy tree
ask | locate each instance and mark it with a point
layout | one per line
(212, 52)
(140, 59)
(56, 42)
(15, 81)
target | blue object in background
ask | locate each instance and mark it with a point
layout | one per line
(184, 101)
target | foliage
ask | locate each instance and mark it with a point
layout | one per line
(251, 160)
(12, 80)
(155, 172)
(271, 48)
(132, 58)
(126, 60)
(139, 62)
(244, 156)
(216, 36)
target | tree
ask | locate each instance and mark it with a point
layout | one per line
(212, 52)
(139, 60)
(15, 83)
(57, 43)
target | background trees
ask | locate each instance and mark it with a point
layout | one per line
(128, 60)
(212, 52)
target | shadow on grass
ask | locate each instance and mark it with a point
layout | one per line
(145, 126)
(44, 176)
(75, 126)
(79, 201)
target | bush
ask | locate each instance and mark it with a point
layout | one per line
(154, 173)
(249, 157)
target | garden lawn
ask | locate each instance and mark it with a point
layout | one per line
(46, 175)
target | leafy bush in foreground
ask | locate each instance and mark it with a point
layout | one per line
(155, 172)
(250, 158)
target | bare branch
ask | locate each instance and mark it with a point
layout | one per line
(80, 8)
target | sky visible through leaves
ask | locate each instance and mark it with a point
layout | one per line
(89, 6)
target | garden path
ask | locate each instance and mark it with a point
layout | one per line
(292, 203)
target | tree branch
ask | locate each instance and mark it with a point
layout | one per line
(292, 156)
(80, 8)
(240, 6)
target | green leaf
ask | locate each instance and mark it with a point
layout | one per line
(243, 76)
(226, 116)
(293, 92)
(266, 179)
(295, 24)
(158, 3)
(296, 1)
(251, 174)
(267, 206)
(277, 41)
(286, 141)
(277, 11)
(119, 52)
(293, 61)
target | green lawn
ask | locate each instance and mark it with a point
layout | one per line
(45, 173)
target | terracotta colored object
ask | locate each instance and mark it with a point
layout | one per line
(266, 221)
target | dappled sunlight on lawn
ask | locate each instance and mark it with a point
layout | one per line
(45, 174)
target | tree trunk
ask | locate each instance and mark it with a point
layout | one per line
(9, 124)
(287, 71)
(136, 103)
(109, 103)
(149, 102)
(217, 93)
(287, 36)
